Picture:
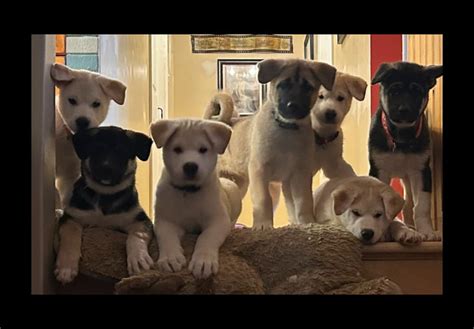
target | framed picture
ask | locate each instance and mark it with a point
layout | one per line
(238, 77)
(340, 38)
(309, 46)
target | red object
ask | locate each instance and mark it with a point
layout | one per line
(384, 48)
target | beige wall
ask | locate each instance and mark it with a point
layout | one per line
(194, 79)
(353, 57)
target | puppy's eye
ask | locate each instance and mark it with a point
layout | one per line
(96, 104)
(307, 87)
(340, 98)
(356, 213)
(203, 150)
(178, 150)
(378, 215)
(285, 84)
(72, 101)
(321, 97)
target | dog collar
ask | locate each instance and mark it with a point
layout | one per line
(392, 143)
(187, 188)
(324, 141)
(284, 124)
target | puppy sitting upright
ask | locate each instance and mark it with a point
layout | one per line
(327, 115)
(83, 102)
(399, 140)
(190, 198)
(364, 206)
(105, 195)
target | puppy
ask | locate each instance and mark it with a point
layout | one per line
(399, 139)
(83, 102)
(190, 198)
(327, 115)
(105, 195)
(276, 145)
(364, 206)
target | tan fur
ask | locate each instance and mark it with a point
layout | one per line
(222, 106)
(212, 210)
(335, 200)
(86, 87)
(261, 152)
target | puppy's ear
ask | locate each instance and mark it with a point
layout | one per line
(383, 72)
(82, 142)
(433, 72)
(269, 69)
(61, 73)
(356, 86)
(113, 88)
(343, 198)
(218, 133)
(392, 202)
(162, 130)
(324, 73)
(141, 144)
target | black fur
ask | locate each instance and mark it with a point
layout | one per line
(405, 86)
(426, 176)
(118, 147)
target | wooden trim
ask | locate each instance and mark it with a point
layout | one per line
(396, 251)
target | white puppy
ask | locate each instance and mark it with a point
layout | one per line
(83, 102)
(364, 206)
(190, 197)
(327, 115)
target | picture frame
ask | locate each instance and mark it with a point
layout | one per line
(309, 47)
(238, 77)
(340, 38)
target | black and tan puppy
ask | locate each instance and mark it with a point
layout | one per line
(105, 195)
(399, 140)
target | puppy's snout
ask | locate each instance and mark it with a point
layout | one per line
(330, 115)
(367, 234)
(190, 169)
(293, 106)
(82, 123)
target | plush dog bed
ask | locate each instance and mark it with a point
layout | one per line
(310, 259)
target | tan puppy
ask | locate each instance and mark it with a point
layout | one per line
(364, 206)
(190, 197)
(277, 143)
(83, 102)
(327, 116)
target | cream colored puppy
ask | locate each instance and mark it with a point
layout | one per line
(190, 197)
(327, 115)
(83, 102)
(364, 206)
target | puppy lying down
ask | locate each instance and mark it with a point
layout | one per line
(364, 206)
(190, 197)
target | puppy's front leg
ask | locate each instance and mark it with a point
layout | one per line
(205, 260)
(67, 261)
(290, 206)
(139, 236)
(261, 199)
(421, 188)
(169, 235)
(300, 184)
(338, 169)
(403, 234)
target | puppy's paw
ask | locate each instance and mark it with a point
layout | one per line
(171, 261)
(261, 226)
(430, 235)
(138, 260)
(407, 236)
(66, 269)
(204, 263)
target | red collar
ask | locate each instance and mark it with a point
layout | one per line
(390, 140)
(324, 141)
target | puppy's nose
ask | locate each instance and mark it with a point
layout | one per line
(293, 106)
(330, 115)
(190, 169)
(367, 234)
(82, 123)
